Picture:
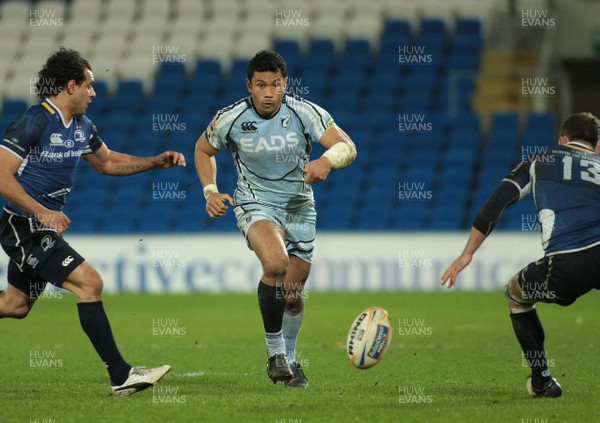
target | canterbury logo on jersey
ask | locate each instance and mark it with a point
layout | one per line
(67, 261)
(249, 126)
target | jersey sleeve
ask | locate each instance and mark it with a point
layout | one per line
(214, 132)
(315, 119)
(23, 134)
(94, 142)
(520, 176)
(515, 186)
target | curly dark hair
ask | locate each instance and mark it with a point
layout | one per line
(581, 126)
(266, 61)
(60, 68)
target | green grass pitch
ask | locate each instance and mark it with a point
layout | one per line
(453, 358)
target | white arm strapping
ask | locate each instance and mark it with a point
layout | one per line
(340, 155)
(210, 189)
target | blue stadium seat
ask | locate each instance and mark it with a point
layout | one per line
(208, 67)
(334, 216)
(467, 138)
(389, 77)
(471, 26)
(13, 108)
(397, 28)
(348, 83)
(374, 101)
(459, 173)
(101, 89)
(417, 101)
(409, 216)
(166, 85)
(464, 60)
(466, 42)
(469, 120)
(238, 69)
(321, 48)
(500, 156)
(539, 139)
(503, 139)
(505, 121)
(494, 172)
(432, 44)
(391, 46)
(129, 97)
(433, 26)
(118, 121)
(351, 65)
(357, 49)
(446, 217)
(289, 49)
(421, 79)
(544, 122)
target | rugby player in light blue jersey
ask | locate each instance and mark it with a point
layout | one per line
(269, 135)
(565, 182)
(38, 158)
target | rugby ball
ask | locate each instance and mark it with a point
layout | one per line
(369, 337)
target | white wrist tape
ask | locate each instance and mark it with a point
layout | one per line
(209, 189)
(340, 155)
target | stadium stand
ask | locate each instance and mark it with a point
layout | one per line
(163, 69)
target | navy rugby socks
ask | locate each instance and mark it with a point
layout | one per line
(97, 327)
(530, 334)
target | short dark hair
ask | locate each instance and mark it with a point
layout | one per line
(581, 126)
(266, 61)
(60, 68)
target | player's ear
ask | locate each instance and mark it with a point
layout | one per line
(71, 86)
(249, 85)
(563, 140)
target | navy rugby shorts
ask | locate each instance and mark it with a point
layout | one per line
(561, 278)
(37, 254)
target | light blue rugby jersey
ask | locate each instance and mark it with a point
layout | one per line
(270, 154)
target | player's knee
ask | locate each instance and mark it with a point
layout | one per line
(516, 300)
(294, 302)
(276, 269)
(92, 288)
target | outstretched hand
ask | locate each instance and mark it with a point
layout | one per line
(169, 159)
(450, 274)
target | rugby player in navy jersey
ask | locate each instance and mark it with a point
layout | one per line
(565, 181)
(38, 158)
(269, 134)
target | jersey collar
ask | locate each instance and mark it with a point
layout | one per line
(579, 146)
(55, 109)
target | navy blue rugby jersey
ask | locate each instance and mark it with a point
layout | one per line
(50, 151)
(565, 182)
